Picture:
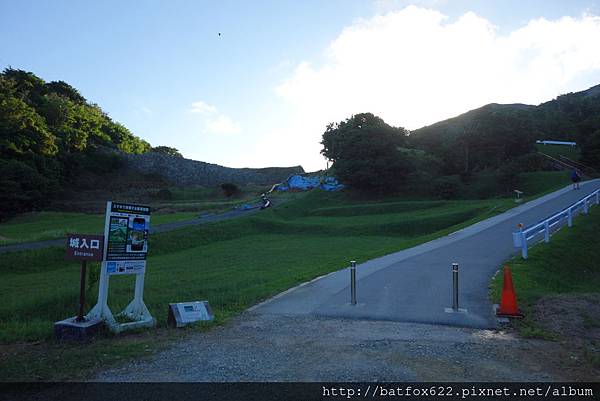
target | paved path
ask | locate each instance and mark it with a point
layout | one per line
(310, 333)
(415, 285)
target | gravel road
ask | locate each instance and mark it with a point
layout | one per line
(261, 347)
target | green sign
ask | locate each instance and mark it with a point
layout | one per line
(128, 227)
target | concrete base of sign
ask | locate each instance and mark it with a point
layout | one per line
(71, 330)
(500, 319)
(140, 324)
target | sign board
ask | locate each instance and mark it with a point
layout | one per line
(183, 313)
(125, 266)
(128, 227)
(85, 247)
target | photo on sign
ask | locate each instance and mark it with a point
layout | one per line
(137, 235)
(118, 230)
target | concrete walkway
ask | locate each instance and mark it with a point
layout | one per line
(415, 285)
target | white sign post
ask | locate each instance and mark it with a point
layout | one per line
(126, 229)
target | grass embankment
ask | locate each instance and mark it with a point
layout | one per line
(233, 264)
(50, 225)
(186, 204)
(558, 286)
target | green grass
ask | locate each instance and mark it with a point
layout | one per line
(569, 264)
(234, 264)
(542, 182)
(484, 185)
(49, 225)
(572, 152)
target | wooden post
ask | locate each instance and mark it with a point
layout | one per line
(80, 317)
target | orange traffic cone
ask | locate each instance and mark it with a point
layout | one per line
(508, 303)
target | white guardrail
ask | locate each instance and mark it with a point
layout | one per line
(524, 236)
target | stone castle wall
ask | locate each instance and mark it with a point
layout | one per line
(181, 171)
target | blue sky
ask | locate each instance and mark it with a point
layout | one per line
(262, 92)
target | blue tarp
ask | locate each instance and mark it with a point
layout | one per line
(303, 183)
(331, 184)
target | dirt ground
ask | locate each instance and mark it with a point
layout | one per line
(256, 347)
(574, 319)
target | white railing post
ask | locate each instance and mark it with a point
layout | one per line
(520, 238)
(523, 245)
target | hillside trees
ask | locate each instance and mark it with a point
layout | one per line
(486, 138)
(167, 150)
(47, 130)
(590, 150)
(365, 152)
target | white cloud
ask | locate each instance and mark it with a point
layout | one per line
(223, 125)
(201, 107)
(215, 122)
(414, 67)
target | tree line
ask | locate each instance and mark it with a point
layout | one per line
(370, 155)
(48, 133)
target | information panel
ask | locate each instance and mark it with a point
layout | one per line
(125, 266)
(128, 227)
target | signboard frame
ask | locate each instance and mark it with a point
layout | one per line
(136, 311)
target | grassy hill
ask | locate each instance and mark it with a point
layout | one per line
(49, 134)
(57, 146)
(489, 136)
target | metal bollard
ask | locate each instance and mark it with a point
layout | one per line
(353, 282)
(455, 287)
(547, 231)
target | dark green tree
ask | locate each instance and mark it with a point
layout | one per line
(229, 189)
(366, 153)
(166, 150)
(65, 90)
(22, 131)
(50, 135)
(590, 150)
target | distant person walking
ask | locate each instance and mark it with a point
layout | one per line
(575, 177)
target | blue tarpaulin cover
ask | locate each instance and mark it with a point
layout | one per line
(303, 183)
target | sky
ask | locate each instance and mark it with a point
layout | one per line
(263, 91)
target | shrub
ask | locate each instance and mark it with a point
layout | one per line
(446, 187)
(506, 176)
(164, 194)
(23, 188)
(230, 189)
(532, 162)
